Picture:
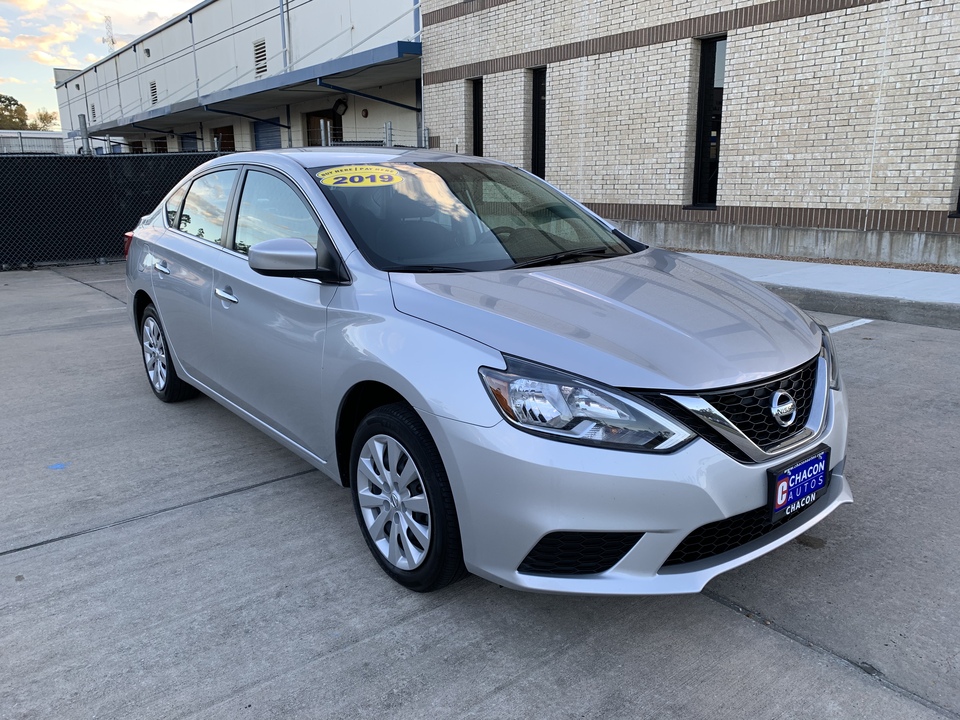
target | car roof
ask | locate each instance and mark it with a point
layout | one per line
(319, 156)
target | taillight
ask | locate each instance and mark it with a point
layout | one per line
(127, 239)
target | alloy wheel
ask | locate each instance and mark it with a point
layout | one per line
(393, 502)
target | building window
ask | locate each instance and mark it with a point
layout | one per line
(146, 51)
(136, 147)
(159, 144)
(154, 96)
(188, 143)
(538, 151)
(477, 116)
(315, 122)
(713, 53)
(223, 140)
(260, 57)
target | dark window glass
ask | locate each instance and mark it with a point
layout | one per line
(538, 155)
(160, 145)
(269, 208)
(478, 117)
(206, 205)
(709, 111)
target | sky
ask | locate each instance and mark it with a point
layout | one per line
(39, 35)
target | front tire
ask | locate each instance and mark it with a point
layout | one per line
(403, 501)
(161, 374)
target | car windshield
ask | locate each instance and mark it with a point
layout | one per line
(451, 216)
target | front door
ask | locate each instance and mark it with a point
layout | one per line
(268, 332)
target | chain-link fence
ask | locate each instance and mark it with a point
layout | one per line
(73, 208)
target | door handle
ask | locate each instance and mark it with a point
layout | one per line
(224, 295)
(161, 267)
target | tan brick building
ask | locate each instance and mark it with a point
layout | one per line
(798, 127)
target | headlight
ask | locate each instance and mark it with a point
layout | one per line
(548, 402)
(833, 368)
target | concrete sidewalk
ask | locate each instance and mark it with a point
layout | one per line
(907, 296)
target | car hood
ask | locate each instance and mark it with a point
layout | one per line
(654, 319)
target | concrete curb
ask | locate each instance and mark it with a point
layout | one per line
(901, 310)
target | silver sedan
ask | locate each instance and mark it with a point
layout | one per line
(508, 385)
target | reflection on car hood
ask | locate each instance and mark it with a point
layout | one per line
(655, 319)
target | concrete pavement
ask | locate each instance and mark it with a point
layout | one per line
(169, 561)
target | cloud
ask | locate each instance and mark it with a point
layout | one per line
(64, 59)
(69, 33)
(51, 48)
(27, 5)
(11, 81)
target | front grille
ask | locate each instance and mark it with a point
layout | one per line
(748, 407)
(719, 537)
(577, 553)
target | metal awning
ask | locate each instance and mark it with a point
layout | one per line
(385, 65)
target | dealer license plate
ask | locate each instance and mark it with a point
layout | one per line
(796, 486)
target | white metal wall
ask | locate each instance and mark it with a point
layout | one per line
(212, 50)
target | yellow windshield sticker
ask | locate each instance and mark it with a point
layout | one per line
(359, 176)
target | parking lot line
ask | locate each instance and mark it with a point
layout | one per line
(851, 324)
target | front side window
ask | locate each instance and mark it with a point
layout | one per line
(206, 205)
(436, 216)
(269, 208)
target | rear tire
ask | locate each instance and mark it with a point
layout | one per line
(161, 374)
(403, 501)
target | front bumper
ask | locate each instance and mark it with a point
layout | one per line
(512, 489)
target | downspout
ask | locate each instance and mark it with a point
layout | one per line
(196, 71)
(283, 36)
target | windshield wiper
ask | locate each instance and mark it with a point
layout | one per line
(565, 255)
(426, 269)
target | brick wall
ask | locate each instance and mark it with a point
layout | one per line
(450, 115)
(848, 109)
(620, 126)
(823, 108)
(507, 105)
(520, 25)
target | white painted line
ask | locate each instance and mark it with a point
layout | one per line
(851, 324)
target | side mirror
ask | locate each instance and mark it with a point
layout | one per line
(294, 257)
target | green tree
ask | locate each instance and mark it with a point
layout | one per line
(43, 119)
(13, 115)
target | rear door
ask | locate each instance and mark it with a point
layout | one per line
(182, 270)
(268, 332)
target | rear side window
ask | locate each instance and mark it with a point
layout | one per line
(206, 205)
(172, 206)
(269, 208)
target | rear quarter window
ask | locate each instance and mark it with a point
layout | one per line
(205, 207)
